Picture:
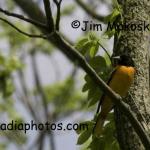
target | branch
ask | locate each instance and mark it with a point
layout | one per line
(40, 141)
(43, 96)
(58, 4)
(26, 96)
(90, 11)
(38, 84)
(36, 23)
(22, 32)
(50, 22)
(35, 13)
(105, 50)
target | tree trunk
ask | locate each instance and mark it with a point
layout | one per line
(135, 45)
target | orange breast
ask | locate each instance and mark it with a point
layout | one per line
(122, 79)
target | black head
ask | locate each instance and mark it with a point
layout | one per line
(123, 60)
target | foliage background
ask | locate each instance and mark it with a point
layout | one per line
(34, 72)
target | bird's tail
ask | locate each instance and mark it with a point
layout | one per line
(99, 125)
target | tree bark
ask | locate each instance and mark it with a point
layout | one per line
(135, 45)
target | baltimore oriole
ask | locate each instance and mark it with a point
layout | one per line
(120, 82)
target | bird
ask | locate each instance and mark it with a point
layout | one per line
(120, 81)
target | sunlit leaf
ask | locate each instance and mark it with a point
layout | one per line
(84, 137)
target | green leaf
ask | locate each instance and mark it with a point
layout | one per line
(110, 116)
(95, 98)
(80, 43)
(92, 92)
(89, 81)
(92, 36)
(9, 88)
(90, 125)
(110, 33)
(86, 87)
(89, 84)
(109, 129)
(115, 145)
(86, 47)
(112, 17)
(2, 59)
(97, 144)
(94, 50)
(98, 63)
(84, 137)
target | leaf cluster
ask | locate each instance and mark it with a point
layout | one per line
(7, 66)
(106, 141)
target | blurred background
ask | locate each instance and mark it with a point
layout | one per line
(39, 83)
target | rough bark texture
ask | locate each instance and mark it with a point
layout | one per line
(135, 45)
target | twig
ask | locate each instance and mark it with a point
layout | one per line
(104, 50)
(38, 84)
(34, 22)
(40, 141)
(50, 22)
(90, 11)
(58, 4)
(43, 96)
(29, 7)
(52, 140)
(22, 32)
(25, 97)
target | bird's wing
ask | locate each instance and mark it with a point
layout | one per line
(103, 96)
